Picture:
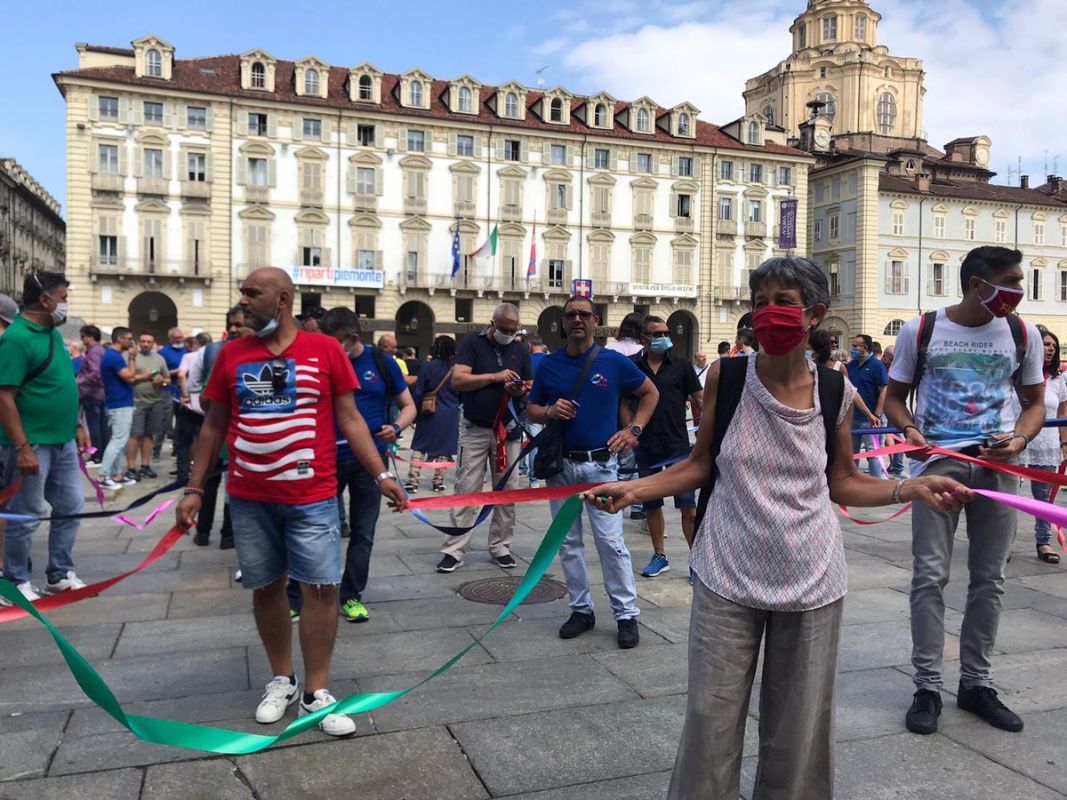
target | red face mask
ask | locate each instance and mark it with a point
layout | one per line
(1003, 300)
(779, 328)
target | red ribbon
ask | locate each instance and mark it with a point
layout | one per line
(898, 513)
(428, 464)
(9, 492)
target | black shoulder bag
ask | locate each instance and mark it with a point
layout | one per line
(549, 459)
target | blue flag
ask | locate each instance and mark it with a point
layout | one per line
(455, 250)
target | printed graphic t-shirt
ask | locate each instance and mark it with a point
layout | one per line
(966, 393)
(281, 437)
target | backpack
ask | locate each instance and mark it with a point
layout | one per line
(732, 374)
(382, 366)
(926, 334)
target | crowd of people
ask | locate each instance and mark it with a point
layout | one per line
(296, 411)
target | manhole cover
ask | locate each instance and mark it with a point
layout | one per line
(498, 591)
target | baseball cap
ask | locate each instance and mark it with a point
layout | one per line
(314, 312)
(9, 309)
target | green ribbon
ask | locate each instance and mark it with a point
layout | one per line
(222, 740)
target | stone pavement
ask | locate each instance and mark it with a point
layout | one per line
(525, 715)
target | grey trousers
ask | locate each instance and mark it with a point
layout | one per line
(796, 707)
(477, 452)
(990, 531)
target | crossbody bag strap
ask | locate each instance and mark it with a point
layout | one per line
(437, 388)
(40, 368)
(588, 365)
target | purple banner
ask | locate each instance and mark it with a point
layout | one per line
(787, 225)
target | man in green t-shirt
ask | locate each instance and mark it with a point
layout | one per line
(150, 406)
(41, 437)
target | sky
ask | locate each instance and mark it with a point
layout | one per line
(993, 68)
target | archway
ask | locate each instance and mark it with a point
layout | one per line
(153, 312)
(683, 329)
(745, 321)
(550, 327)
(414, 327)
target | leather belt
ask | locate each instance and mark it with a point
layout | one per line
(601, 455)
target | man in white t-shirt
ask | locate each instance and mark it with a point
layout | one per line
(978, 356)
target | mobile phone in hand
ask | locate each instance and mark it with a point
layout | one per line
(994, 444)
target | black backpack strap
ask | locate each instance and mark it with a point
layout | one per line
(40, 368)
(383, 369)
(732, 373)
(922, 344)
(831, 395)
(1019, 335)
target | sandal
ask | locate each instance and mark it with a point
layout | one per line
(1050, 556)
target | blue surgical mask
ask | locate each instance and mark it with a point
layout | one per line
(856, 354)
(272, 324)
(661, 344)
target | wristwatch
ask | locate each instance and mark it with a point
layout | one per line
(384, 476)
(636, 429)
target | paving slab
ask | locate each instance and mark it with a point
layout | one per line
(883, 644)
(438, 612)
(214, 603)
(871, 703)
(869, 572)
(117, 784)
(652, 786)
(27, 742)
(413, 587)
(214, 779)
(863, 606)
(424, 764)
(652, 671)
(519, 640)
(178, 635)
(31, 647)
(178, 581)
(573, 746)
(104, 609)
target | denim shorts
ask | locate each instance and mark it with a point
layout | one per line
(275, 538)
(644, 466)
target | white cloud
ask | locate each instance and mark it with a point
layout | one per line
(1000, 73)
(550, 46)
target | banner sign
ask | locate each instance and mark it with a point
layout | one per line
(338, 276)
(787, 225)
(583, 287)
(663, 290)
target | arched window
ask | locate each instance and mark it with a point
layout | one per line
(259, 76)
(556, 110)
(311, 81)
(753, 133)
(683, 124)
(465, 99)
(642, 119)
(829, 107)
(511, 105)
(861, 27)
(887, 114)
(366, 88)
(154, 64)
(893, 328)
(600, 116)
(415, 94)
(768, 113)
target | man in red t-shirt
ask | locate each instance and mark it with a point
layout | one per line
(275, 397)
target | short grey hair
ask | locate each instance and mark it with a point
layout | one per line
(508, 310)
(797, 273)
(173, 331)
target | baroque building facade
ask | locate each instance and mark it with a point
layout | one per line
(184, 175)
(32, 231)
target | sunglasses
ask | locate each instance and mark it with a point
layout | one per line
(279, 374)
(573, 315)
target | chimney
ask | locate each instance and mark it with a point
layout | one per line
(922, 181)
(1024, 181)
(1055, 182)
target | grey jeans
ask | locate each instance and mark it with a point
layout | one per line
(796, 705)
(990, 531)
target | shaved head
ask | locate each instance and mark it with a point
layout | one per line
(267, 294)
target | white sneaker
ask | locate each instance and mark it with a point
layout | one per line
(29, 591)
(71, 581)
(278, 695)
(333, 724)
(110, 483)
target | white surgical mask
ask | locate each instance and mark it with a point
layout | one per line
(59, 316)
(272, 324)
(503, 339)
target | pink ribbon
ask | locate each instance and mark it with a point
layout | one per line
(1035, 508)
(155, 512)
(100, 498)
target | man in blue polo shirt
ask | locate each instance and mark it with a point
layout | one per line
(376, 393)
(592, 443)
(869, 376)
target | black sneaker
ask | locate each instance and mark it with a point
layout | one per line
(578, 624)
(346, 531)
(130, 476)
(148, 472)
(448, 564)
(226, 542)
(506, 561)
(628, 634)
(982, 701)
(925, 709)
(201, 539)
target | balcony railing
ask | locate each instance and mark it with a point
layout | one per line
(257, 194)
(152, 186)
(556, 216)
(756, 230)
(414, 205)
(163, 268)
(461, 208)
(311, 197)
(642, 222)
(106, 182)
(196, 189)
(365, 202)
(726, 227)
(683, 224)
(601, 219)
(510, 212)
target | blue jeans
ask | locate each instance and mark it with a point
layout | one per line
(113, 463)
(59, 485)
(1041, 491)
(274, 538)
(607, 535)
(628, 463)
(874, 465)
(96, 420)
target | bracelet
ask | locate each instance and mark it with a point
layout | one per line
(905, 428)
(1026, 439)
(193, 490)
(897, 488)
(18, 447)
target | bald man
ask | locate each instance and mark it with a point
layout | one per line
(279, 395)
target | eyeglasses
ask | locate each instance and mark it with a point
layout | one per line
(279, 374)
(573, 315)
(659, 334)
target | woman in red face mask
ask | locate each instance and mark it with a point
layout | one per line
(768, 558)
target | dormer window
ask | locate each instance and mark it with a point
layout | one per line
(768, 114)
(829, 29)
(683, 124)
(366, 87)
(511, 105)
(600, 116)
(311, 81)
(465, 100)
(154, 64)
(642, 120)
(415, 94)
(556, 110)
(753, 133)
(259, 76)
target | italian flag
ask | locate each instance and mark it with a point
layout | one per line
(488, 249)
